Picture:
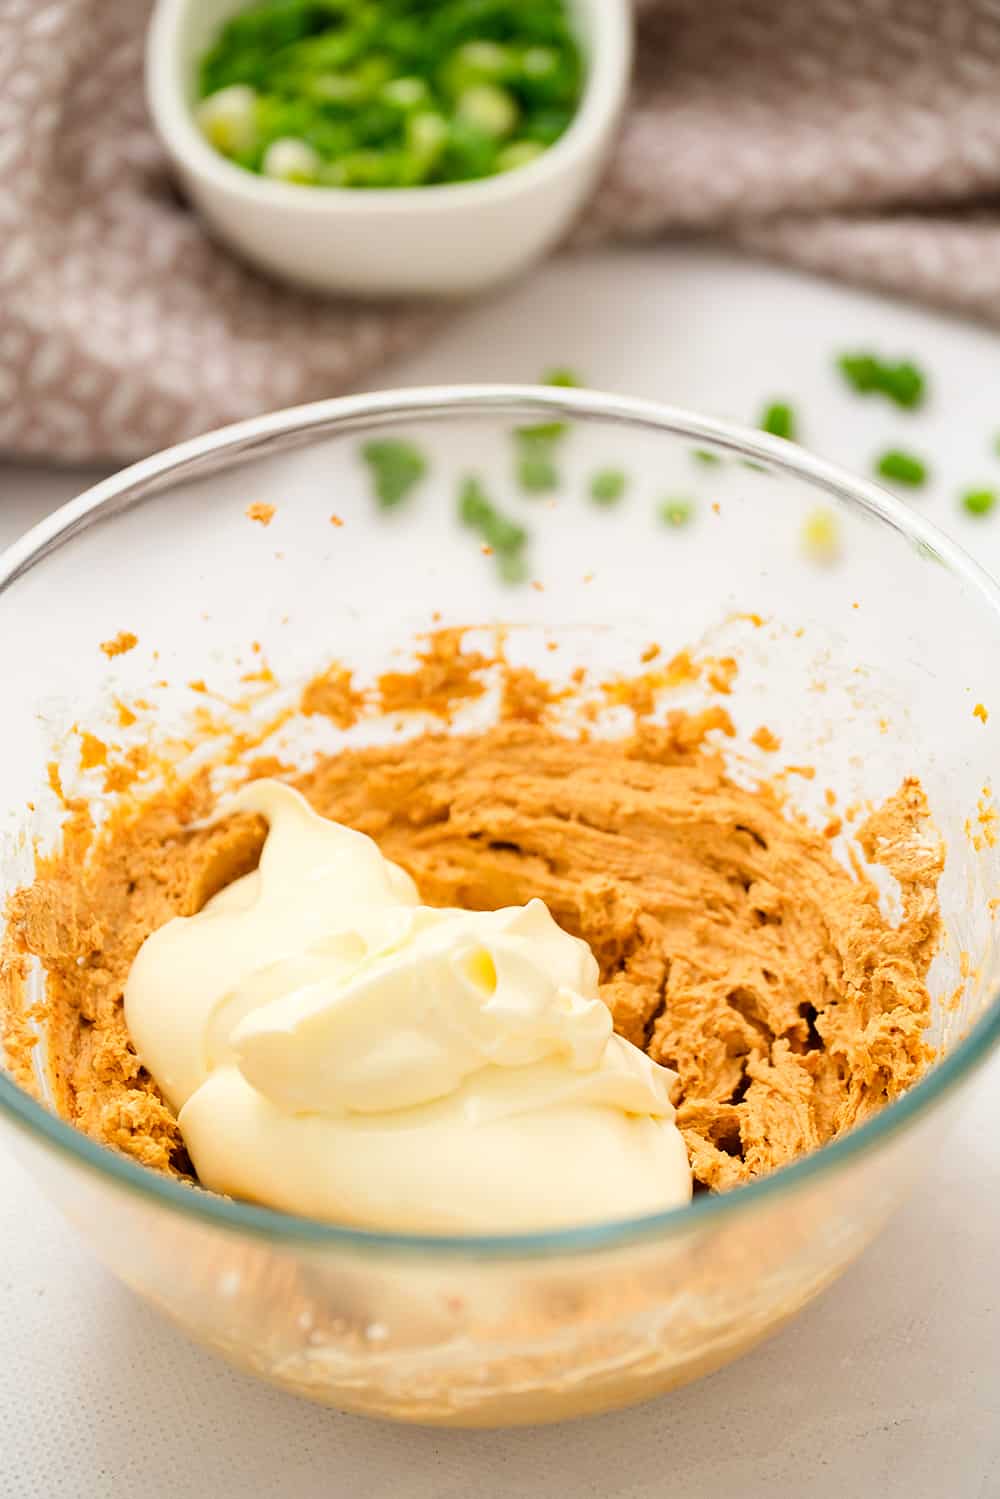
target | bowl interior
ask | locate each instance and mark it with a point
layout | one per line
(868, 667)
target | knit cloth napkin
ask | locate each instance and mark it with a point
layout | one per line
(855, 137)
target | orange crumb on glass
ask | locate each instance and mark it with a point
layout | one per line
(807, 772)
(93, 751)
(126, 718)
(336, 520)
(833, 828)
(721, 673)
(650, 653)
(261, 513)
(980, 712)
(122, 642)
(765, 739)
(680, 669)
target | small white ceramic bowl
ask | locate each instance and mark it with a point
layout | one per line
(441, 241)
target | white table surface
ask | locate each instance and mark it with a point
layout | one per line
(889, 1385)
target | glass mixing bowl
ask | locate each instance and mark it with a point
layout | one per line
(868, 667)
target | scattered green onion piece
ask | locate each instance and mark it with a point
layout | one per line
(396, 467)
(542, 432)
(608, 486)
(821, 536)
(705, 456)
(902, 382)
(504, 535)
(902, 468)
(676, 512)
(536, 472)
(474, 508)
(507, 539)
(566, 378)
(979, 501)
(512, 567)
(550, 432)
(861, 371)
(779, 420)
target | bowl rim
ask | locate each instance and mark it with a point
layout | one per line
(346, 414)
(608, 68)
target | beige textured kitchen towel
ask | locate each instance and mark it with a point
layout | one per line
(856, 137)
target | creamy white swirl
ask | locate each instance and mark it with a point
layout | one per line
(332, 1047)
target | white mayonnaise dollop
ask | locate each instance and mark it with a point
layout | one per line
(333, 1047)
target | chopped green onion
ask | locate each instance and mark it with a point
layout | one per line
(228, 119)
(518, 154)
(396, 467)
(290, 160)
(539, 62)
(474, 508)
(676, 512)
(487, 59)
(542, 432)
(705, 456)
(536, 472)
(779, 420)
(860, 370)
(504, 536)
(821, 536)
(902, 468)
(406, 93)
(564, 377)
(512, 567)
(426, 139)
(345, 77)
(902, 382)
(979, 501)
(489, 108)
(608, 485)
(549, 432)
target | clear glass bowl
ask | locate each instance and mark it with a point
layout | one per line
(868, 668)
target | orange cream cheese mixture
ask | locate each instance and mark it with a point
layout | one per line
(732, 946)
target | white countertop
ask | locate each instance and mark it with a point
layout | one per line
(889, 1385)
